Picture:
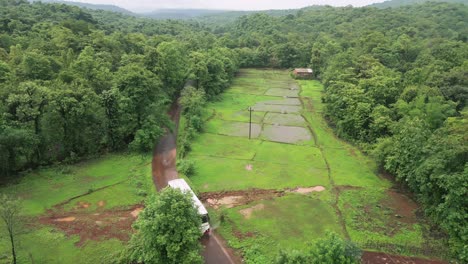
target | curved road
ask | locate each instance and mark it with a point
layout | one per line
(164, 170)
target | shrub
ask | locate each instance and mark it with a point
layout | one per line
(329, 250)
(186, 167)
(333, 249)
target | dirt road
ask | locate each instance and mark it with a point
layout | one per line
(164, 170)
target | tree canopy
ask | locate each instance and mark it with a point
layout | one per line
(167, 231)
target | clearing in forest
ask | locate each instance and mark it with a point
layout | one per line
(79, 213)
(294, 180)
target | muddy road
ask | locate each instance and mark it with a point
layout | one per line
(164, 170)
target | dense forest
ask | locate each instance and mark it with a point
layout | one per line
(76, 84)
(70, 88)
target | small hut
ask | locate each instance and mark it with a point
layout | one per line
(303, 73)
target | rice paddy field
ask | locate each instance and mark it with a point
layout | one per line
(294, 180)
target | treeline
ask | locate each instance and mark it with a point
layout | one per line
(396, 83)
(71, 88)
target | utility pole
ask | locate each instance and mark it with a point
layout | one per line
(250, 122)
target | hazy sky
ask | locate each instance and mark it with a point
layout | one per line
(149, 5)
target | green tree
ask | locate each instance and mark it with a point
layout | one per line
(172, 66)
(167, 231)
(75, 121)
(4, 71)
(442, 180)
(36, 66)
(25, 106)
(141, 87)
(9, 213)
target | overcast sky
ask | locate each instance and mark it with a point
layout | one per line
(149, 5)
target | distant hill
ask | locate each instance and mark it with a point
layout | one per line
(231, 16)
(181, 13)
(111, 8)
(398, 3)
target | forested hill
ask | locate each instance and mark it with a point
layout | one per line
(111, 8)
(399, 3)
(181, 13)
(77, 83)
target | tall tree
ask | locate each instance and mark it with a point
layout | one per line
(167, 231)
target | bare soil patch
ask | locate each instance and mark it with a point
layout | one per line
(101, 203)
(115, 223)
(231, 199)
(136, 212)
(286, 134)
(228, 202)
(247, 212)
(66, 219)
(402, 205)
(82, 205)
(308, 190)
(383, 258)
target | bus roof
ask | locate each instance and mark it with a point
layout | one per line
(182, 185)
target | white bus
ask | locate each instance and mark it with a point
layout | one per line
(182, 185)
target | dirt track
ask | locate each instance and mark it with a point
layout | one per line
(164, 170)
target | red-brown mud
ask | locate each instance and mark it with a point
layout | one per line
(403, 206)
(106, 224)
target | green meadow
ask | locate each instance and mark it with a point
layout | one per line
(293, 147)
(113, 183)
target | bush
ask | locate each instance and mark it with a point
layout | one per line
(292, 257)
(186, 167)
(333, 249)
(329, 250)
(196, 122)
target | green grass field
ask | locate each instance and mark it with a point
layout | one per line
(113, 182)
(281, 159)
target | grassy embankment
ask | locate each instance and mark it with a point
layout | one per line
(111, 184)
(356, 203)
